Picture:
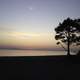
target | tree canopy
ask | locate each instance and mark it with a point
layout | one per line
(68, 32)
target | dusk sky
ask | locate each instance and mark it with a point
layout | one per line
(31, 23)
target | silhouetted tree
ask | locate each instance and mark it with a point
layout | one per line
(61, 45)
(78, 53)
(68, 32)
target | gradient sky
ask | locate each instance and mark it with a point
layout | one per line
(31, 23)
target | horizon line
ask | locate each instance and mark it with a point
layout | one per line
(31, 49)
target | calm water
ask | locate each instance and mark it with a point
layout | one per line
(30, 53)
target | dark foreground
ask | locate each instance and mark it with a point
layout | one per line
(40, 68)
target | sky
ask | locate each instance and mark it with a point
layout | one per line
(30, 24)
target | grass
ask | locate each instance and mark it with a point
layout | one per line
(40, 68)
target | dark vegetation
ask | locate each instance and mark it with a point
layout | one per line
(40, 68)
(68, 32)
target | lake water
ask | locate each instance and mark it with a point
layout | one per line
(30, 53)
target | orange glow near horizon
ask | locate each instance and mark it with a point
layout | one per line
(27, 40)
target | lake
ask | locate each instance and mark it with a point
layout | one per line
(30, 53)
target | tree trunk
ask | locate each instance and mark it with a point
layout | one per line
(68, 48)
(68, 52)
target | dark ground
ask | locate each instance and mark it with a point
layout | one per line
(40, 68)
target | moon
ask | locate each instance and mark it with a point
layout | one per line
(30, 8)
